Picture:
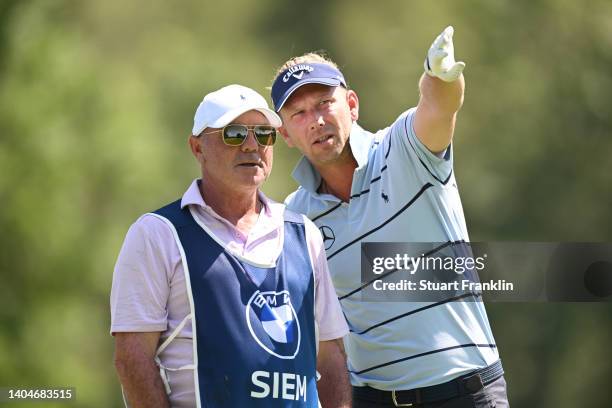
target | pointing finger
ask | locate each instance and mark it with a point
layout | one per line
(447, 35)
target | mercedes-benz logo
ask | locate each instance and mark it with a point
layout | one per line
(328, 236)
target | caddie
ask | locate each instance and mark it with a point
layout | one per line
(222, 298)
(396, 185)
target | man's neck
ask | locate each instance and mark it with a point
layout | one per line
(240, 208)
(337, 178)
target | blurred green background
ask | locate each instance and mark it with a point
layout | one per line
(97, 99)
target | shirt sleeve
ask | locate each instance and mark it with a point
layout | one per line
(402, 144)
(142, 276)
(328, 313)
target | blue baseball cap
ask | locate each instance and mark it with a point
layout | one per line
(301, 74)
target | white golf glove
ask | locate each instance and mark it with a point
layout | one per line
(440, 61)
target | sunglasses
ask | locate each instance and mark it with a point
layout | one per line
(235, 135)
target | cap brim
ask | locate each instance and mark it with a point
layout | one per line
(322, 81)
(230, 115)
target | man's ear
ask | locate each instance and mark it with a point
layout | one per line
(196, 146)
(285, 136)
(353, 103)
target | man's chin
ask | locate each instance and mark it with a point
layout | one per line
(254, 180)
(323, 158)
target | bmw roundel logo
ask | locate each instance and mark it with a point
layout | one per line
(328, 236)
(273, 323)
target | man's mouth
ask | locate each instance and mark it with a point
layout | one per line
(323, 139)
(250, 164)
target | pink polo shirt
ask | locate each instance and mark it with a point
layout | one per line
(149, 292)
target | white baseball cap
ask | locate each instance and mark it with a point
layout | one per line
(220, 107)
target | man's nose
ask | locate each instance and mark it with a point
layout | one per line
(250, 144)
(318, 122)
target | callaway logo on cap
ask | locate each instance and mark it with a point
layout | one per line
(297, 71)
(301, 74)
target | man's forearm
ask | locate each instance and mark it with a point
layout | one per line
(437, 111)
(441, 98)
(334, 387)
(142, 384)
(138, 373)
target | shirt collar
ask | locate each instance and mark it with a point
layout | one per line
(360, 141)
(193, 196)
